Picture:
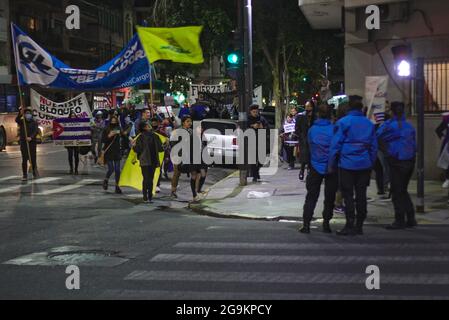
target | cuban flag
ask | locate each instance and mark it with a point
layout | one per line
(72, 132)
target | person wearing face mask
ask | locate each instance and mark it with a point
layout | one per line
(128, 126)
(73, 153)
(28, 131)
(302, 126)
(112, 155)
(147, 146)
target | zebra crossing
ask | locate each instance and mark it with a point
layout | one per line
(49, 185)
(208, 270)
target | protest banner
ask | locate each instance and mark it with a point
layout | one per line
(376, 96)
(36, 66)
(197, 89)
(289, 128)
(72, 132)
(45, 110)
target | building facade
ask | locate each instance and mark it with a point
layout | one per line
(421, 24)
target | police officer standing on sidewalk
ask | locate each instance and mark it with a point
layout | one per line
(354, 151)
(319, 139)
(397, 139)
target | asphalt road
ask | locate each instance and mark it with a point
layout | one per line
(129, 250)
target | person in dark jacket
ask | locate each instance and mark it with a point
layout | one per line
(442, 132)
(302, 126)
(397, 139)
(112, 154)
(147, 146)
(289, 141)
(256, 122)
(73, 153)
(28, 131)
(319, 138)
(354, 151)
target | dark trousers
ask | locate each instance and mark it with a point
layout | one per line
(114, 166)
(73, 153)
(289, 151)
(26, 157)
(352, 181)
(401, 173)
(254, 171)
(382, 172)
(313, 185)
(147, 185)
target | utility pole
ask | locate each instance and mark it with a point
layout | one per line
(419, 89)
(245, 84)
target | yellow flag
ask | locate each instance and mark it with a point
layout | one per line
(131, 175)
(176, 44)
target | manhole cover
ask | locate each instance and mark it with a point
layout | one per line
(81, 256)
(64, 256)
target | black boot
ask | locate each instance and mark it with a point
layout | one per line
(326, 227)
(118, 190)
(105, 184)
(396, 226)
(305, 228)
(359, 227)
(348, 230)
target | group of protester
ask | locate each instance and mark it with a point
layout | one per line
(342, 147)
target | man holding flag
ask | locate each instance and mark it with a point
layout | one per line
(28, 131)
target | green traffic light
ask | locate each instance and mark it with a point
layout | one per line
(233, 58)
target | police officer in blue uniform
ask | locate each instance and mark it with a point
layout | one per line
(397, 139)
(354, 150)
(319, 139)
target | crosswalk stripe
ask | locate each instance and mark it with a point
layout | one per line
(312, 246)
(9, 178)
(38, 181)
(224, 258)
(77, 185)
(216, 295)
(281, 277)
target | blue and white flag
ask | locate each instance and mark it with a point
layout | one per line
(72, 132)
(36, 66)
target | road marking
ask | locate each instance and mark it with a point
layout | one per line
(312, 246)
(9, 178)
(257, 259)
(38, 181)
(77, 185)
(216, 295)
(284, 277)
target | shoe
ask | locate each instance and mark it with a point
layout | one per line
(385, 197)
(446, 184)
(150, 201)
(195, 199)
(301, 175)
(395, 226)
(25, 178)
(255, 180)
(346, 231)
(105, 184)
(369, 199)
(174, 195)
(76, 172)
(145, 198)
(339, 210)
(290, 168)
(305, 229)
(71, 171)
(158, 190)
(118, 190)
(326, 227)
(35, 175)
(411, 224)
(359, 231)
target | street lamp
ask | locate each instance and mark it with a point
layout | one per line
(402, 55)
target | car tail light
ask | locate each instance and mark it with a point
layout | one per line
(234, 141)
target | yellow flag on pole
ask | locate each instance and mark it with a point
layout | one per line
(180, 44)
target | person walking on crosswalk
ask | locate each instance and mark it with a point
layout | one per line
(73, 153)
(397, 140)
(353, 151)
(28, 131)
(112, 153)
(319, 140)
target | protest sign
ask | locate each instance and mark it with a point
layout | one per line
(376, 96)
(72, 132)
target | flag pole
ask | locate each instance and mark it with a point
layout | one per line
(22, 106)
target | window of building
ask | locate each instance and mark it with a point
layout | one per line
(436, 91)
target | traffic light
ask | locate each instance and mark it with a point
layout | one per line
(402, 56)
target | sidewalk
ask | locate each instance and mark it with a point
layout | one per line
(284, 197)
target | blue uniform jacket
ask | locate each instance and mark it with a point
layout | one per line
(354, 145)
(399, 142)
(319, 138)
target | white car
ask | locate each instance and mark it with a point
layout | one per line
(219, 144)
